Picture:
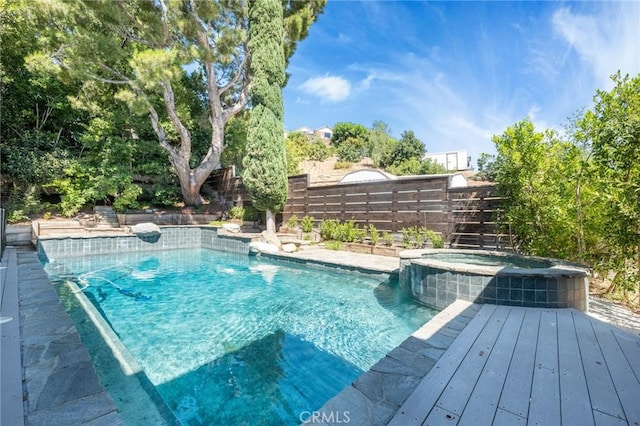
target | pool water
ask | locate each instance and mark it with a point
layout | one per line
(505, 261)
(232, 339)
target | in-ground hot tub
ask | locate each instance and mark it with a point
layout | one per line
(437, 278)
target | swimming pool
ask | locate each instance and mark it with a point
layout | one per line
(231, 339)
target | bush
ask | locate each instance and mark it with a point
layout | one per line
(348, 232)
(237, 212)
(164, 194)
(251, 214)
(342, 165)
(292, 222)
(333, 245)
(306, 224)
(318, 151)
(329, 229)
(351, 150)
(24, 202)
(414, 237)
(374, 235)
(387, 239)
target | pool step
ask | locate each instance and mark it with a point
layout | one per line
(106, 217)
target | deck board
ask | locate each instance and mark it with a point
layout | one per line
(514, 365)
(574, 399)
(458, 390)
(631, 349)
(417, 406)
(483, 403)
(602, 392)
(544, 408)
(624, 379)
(520, 374)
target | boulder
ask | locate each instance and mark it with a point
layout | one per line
(289, 248)
(262, 247)
(146, 228)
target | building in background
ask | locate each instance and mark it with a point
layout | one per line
(451, 160)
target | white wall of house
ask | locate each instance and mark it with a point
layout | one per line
(451, 160)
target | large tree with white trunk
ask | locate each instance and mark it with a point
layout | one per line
(167, 56)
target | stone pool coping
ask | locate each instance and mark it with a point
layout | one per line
(557, 268)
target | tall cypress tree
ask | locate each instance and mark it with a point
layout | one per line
(265, 165)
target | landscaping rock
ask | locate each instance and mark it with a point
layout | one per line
(145, 229)
(289, 248)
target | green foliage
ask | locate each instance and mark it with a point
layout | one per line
(536, 176)
(329, 229)
(613, 130)
(251, 214)
(486, 167)
(339, 165)
(24, 202)
(237, 212)
(414, 237)
(347, 232)
(306, 224)
(374, 235)
(318, 151)
(345, 131)
(164, 194)
(166, 59)
(380, 143)
(407, 148)
(292, 222)
(235, 142)
(333, 245)
(387, 239)
(265, 174)
(351, 150)
(296, 151)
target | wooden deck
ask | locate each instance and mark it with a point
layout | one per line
(515, 365)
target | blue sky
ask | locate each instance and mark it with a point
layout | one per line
(457, 73)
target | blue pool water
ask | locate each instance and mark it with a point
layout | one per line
(232, 339)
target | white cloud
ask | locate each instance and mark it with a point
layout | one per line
(329, 88)
(607, 40)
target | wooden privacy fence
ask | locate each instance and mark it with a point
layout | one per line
(465, 217)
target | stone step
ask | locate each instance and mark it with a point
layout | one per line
(106, 217)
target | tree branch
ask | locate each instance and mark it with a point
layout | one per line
(169, 102)
(241, 73)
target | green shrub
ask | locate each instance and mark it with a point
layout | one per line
(414, 237)
(387, 239)
(251, 214)
(374, 235)
(333, 245)
(342, 165)
(318, 151)
(292, 222)
(165, 194)
(237, 212)
(348, 232)
(306, 224)
(24, 202)
(329, 229)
